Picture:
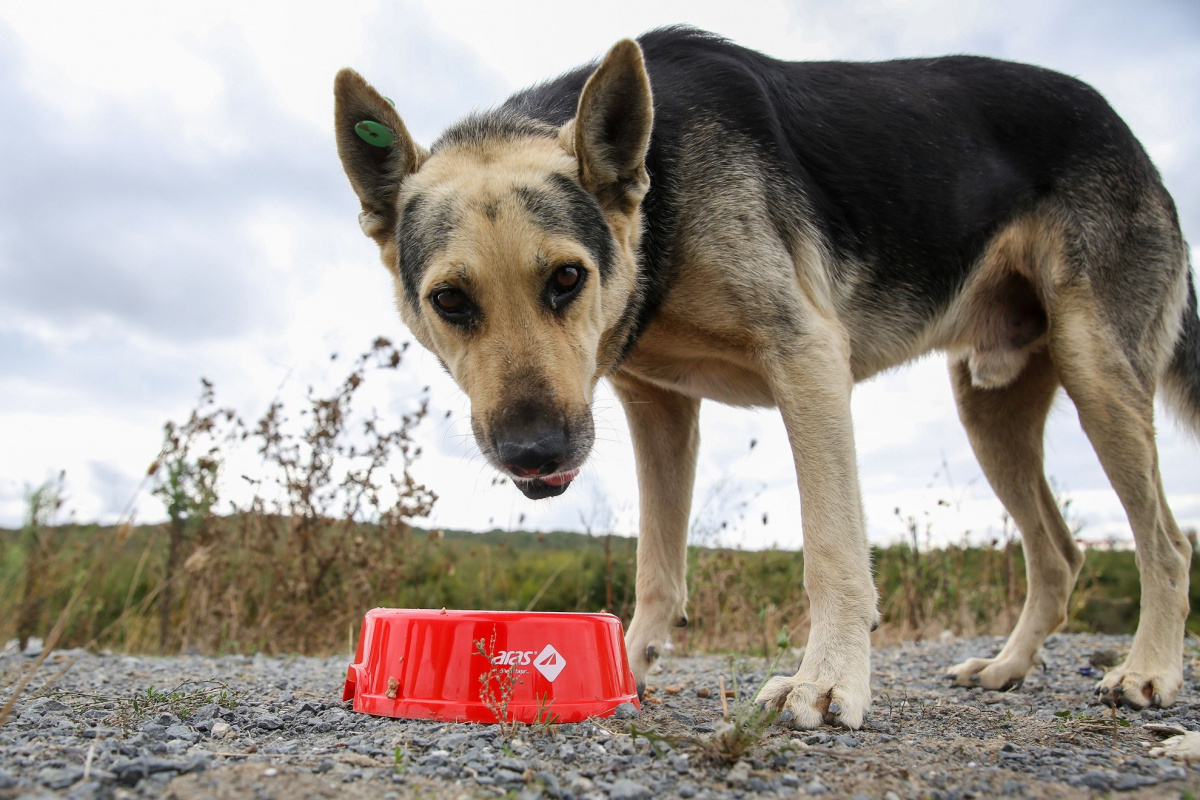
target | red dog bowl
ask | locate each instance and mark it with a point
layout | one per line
(488, 666)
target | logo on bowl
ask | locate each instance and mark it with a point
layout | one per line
(549, 662)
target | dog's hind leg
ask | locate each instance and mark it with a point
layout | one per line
(1112, 383)
(1005, 426)
(665, 427)
(812, 381)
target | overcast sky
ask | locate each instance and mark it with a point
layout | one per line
(172, 206)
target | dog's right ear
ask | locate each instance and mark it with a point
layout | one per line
(376, 151)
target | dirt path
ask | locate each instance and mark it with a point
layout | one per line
(279, 731)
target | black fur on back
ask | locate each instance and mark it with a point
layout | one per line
(905, 166)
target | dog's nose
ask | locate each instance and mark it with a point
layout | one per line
(529, 452)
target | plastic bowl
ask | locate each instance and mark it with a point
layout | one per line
(489, 666)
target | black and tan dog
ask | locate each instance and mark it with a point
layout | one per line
(690, 220)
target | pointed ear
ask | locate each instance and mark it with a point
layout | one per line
(612, 128)
(376, 164)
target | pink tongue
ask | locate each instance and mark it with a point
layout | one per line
(562, 477)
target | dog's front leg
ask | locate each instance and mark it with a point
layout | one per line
(665, 427)
(812, 382)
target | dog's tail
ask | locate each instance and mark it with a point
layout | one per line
(1182, 378)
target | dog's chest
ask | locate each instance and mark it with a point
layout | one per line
(698, 362)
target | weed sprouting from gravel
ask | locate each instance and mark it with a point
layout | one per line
(127, 711)
(497, 685)
(741, 729)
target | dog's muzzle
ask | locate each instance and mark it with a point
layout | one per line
(537, 457)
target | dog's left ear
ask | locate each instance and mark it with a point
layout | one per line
(611, 129)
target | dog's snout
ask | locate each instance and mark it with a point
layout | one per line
(532, 450)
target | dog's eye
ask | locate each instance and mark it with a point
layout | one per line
(564, 285)
(452, 303)
(566, 277)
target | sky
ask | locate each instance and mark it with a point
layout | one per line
(172, 207)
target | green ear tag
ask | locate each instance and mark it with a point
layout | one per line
(372, 132)
(390, 100)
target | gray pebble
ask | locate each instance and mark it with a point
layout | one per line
(47, 705)
(60, 778)
(624, 789)
(1096, 779)
(625, 711)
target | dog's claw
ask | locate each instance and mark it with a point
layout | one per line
(835, 708)
(787, 716)
(1158, 699)
(976, 678)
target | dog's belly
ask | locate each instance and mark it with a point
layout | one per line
(707, 376)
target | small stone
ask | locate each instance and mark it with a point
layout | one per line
(891, 796)
(816, 787)
(167, 719)
(566, 753)
(738, 774)
(453, 741)
(46, 705)
(1129, 781)
(90, 790)
(269, 722)
(155, 731)
(625, 789)
(848, 741)
(221, 729)
(1096, 780)
(60, 778)
(625, 711)
(178, 731)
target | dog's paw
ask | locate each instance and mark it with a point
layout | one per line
(644, 647)
(1001, 673)
(1140, 689)
(1185, 747)
(805, 705)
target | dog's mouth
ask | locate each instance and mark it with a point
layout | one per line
(543, 486)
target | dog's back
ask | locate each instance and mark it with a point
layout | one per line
(892, 180)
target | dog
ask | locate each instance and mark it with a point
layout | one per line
(694, 220)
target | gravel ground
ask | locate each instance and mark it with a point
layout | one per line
(281, 731)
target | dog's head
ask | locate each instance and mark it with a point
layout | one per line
(512, 245)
